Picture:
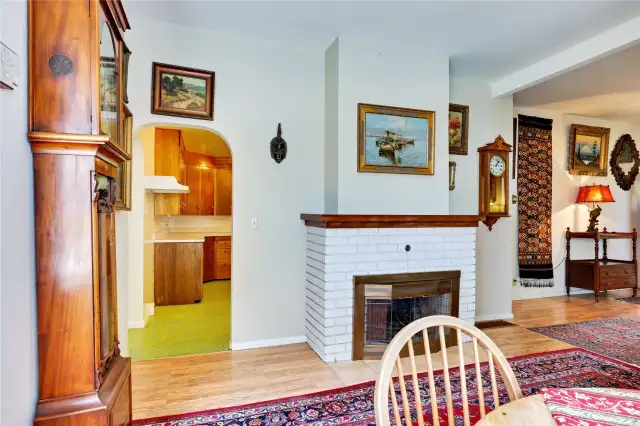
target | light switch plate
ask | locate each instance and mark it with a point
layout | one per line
(254, 223)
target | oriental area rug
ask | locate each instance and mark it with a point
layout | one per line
(613, 337)
(353, 405)
(634, 300)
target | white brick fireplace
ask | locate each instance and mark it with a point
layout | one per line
(335, 256)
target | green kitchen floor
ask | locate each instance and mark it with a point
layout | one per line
(177, 330)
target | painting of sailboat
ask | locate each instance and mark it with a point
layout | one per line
(589, 150)
(395, 140)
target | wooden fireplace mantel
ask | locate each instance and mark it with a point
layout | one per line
(390, 221)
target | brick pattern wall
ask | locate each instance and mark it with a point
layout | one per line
(334, 256)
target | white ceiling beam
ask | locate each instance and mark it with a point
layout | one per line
(604, 44)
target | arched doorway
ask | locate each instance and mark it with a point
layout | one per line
(184, 303)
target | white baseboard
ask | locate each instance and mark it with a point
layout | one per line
(266, 343)
(136, 324)
(524, 295)
(150, 309)
(494, 317)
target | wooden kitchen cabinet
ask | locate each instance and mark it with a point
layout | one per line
(169, 161)
(178, 273)
(191, 201)
(206, 191)
(222, 258)
(217, 258)
(200, 179)
(222, 188)
(208, 259)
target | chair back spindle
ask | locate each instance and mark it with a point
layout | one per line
(385, 387)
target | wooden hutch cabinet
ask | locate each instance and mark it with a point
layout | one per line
(77, 78)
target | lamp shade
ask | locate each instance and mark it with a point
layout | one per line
(595, 194)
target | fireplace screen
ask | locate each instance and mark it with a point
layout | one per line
(384, 304)
(385, 318)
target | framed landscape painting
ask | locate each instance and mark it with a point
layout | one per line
(395, 140)
(458, 129)
(588, 150)
(182, 92)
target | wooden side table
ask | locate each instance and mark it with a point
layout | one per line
(601, 274)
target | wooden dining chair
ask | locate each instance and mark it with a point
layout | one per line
(391, 358)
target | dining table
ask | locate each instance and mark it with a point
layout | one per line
(576, 406)
(528, 411)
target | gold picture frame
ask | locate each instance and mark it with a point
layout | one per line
(588, 150)
(395, 140)
(123, 182)
(458, 129)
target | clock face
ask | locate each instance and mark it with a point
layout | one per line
(496, 165)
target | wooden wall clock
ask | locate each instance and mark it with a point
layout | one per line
(493, 174)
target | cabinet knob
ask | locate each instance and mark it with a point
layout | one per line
(609, 284)
(608, 272)
(626, 271)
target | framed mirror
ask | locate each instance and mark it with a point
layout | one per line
(625, 162)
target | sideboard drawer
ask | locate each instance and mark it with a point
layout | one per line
(617, 271)
(618, 282)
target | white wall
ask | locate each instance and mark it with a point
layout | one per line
(383, 71)
(18, 354)
(259, 83)
(122, 277)
(488, 118)
(565, 213)
(130, 271)
(331, 108)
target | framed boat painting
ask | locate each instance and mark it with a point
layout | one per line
(395, 140)
(182, 92)
(588, 150)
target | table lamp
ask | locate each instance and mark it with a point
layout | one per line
(594, 194)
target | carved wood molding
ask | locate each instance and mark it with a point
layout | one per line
(105, 193)
(391, 221)
(77, 144)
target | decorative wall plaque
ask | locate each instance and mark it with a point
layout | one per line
(452, 175)
(625, 162)
(278, 147)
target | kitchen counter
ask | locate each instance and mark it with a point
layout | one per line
(186, 237)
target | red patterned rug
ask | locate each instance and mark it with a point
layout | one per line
(634, 300)
(353, 405)
(613, 337)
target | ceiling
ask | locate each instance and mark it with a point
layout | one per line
(204, 142)
(485, 39)
(608, 88)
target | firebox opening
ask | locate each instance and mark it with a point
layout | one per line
(384, 304)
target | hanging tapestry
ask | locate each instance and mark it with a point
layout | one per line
(534, 201)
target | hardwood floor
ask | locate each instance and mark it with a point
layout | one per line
(201, 382)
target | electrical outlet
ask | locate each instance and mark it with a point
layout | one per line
(254, 223)
(515, 283)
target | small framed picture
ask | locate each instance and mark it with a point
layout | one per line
(458, 129)
(395, 140)
(588, 150)
(182, 91)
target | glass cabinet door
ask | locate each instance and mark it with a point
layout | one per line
(109, 89)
